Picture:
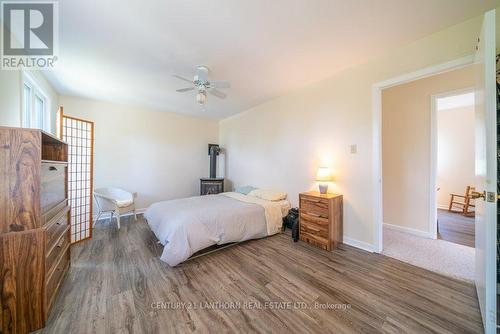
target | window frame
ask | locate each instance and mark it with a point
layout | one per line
(35, 92)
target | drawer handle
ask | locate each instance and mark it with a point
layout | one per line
(52, 168)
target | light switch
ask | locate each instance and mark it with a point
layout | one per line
(354, 149)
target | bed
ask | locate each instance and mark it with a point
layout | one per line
(188, 225)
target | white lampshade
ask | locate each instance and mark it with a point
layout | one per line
(324, 174)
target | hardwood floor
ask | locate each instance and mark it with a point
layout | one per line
(456, 228)
(117, 280)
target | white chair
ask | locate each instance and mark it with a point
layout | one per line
(115, 201)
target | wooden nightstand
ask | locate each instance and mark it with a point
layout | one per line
(321, 219)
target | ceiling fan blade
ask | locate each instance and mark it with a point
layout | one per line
(182, 90)
(220, 84)
(217, 93)
(182, 78)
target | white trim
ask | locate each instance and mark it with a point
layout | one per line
(377, 168)
(358, 244)
(433, 152)
(454, 92)
(426, 72)
(409, 230)
(377, 133)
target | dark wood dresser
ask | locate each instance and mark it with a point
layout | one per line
(34, 226)
(321, 219)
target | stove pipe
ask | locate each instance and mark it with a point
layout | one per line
(214, 151)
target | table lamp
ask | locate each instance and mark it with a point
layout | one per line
(324, 175)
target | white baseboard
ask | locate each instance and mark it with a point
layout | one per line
(442, 207)
(409, 230)
(358, 244)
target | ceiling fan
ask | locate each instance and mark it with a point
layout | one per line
(202, 85)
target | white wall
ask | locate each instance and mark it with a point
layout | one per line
(280, 143)
(159, 155)
(10, 98)
(455, 152)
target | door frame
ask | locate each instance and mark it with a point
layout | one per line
(377, 136)
(433, 226)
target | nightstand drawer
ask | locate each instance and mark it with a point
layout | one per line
(314, 218)
(315, 240)
(311, 228)
(318, 209)
(313, 199)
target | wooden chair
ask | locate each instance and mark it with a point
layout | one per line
(463, 203)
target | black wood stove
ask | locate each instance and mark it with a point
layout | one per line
(212, 185)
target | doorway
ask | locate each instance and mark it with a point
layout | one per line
(410, 131)
(453, 115)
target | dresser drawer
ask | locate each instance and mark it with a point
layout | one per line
(56, 227)
(314, 218)
(49, 215)
(53, 185)
(312, 228)
(54, 280)
(315, 240)
(53, 254)
(318, 208)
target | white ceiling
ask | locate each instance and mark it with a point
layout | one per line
(126, 51)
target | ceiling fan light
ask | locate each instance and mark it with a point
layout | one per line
(201, 97)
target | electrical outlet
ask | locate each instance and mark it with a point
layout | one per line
(354, 149)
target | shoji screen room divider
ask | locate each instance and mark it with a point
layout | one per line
(79, 135)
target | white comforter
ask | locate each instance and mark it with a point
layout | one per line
(185, 226)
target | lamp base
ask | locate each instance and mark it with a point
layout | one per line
(323, 188)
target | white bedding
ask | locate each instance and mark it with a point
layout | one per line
(185, 226)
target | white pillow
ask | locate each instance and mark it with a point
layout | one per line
(268, 194)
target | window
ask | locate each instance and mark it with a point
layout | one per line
(34, 114)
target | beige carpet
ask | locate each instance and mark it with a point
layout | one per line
(437, 255)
